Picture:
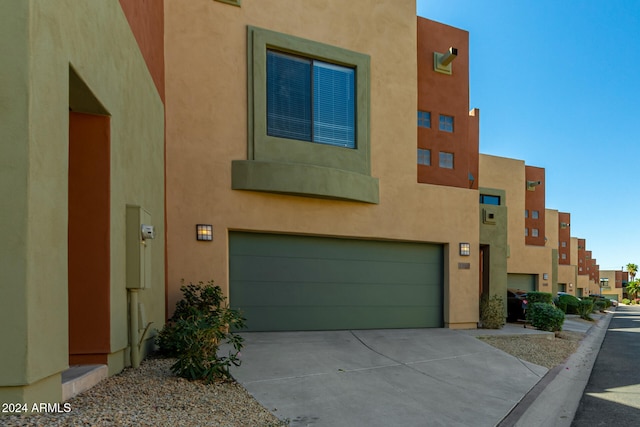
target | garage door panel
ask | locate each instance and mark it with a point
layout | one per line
(324, 294)
(275, 245)
(332, 318)
(332, 270)
(283, 282)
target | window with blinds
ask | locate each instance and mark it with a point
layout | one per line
(310, 100)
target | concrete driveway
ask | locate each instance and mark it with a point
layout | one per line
(400, 377)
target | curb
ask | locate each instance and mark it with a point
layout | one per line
(553, 402)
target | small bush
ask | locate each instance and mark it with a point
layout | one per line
(571, 303)
(599, 305)
(585, 308)
(562, 305)
(492, 312)
(202, 320)
(626, 301)
(543, 297)
(546, 317)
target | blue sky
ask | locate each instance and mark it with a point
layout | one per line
(557, 83)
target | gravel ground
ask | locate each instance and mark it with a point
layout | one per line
(541, 351)
(152, 397)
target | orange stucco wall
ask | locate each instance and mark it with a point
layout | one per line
(535, 202)
(564, 235)
(146, 19)
(448, 95)
(89, 238)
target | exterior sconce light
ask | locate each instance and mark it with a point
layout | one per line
(531, 185)
(570, 285)
(465, 249)
(204, 232)
(442, 61)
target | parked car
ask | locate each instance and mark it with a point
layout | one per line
(515, 298)
(597, 297)
(565, 293)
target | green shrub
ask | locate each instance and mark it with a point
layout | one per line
(201, 322)
(492, 312)
(543, 297)
(599, 305)
(626, 301)
(562, 305)
(571, 303)
(546, 317)
(585, 308)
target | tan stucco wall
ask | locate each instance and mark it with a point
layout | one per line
(40, 41)
(611, 290)
(509, 174)
(206, 97)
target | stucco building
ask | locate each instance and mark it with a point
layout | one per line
(81, 166)
(313, 231)
(531, 260)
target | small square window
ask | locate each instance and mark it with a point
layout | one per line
(446, 160)
(446, 123)
(487, 199)
(534, 232)
(564, 256)
(424, 119)
(563, 244)
(424, 157)
(526, 213)
(535, 214)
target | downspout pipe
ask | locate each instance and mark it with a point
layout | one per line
(133, 328)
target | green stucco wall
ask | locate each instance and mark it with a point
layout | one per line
(40, 42)
(493, 232)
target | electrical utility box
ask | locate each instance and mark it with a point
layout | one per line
(140, 233)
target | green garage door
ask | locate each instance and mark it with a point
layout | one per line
(284, 282)
(526, 282)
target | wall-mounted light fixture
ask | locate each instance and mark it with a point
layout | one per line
(545, 276)
(570, 285)
(465, 249)
(442, 61)
(531, 185)
(204, 232)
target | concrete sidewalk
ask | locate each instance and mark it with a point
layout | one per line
(554, 400)
(417, 377)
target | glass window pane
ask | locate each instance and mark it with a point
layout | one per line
(424, 119)
(333, 104)
(288, 96)
(487, 199)
(446, 160)
(424, 157)
(446, 123)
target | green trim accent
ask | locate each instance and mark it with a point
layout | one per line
(264, 148)
(303, 180)
(493, 233)
(554, 272)
(231, 2)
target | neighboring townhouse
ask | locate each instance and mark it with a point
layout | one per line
(588, 271)
(567, 263)
(613, 283)
(310, 198)
(81, 167)
(530, 261)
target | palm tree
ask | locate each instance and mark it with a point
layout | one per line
(633, 288)
(632, 269)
